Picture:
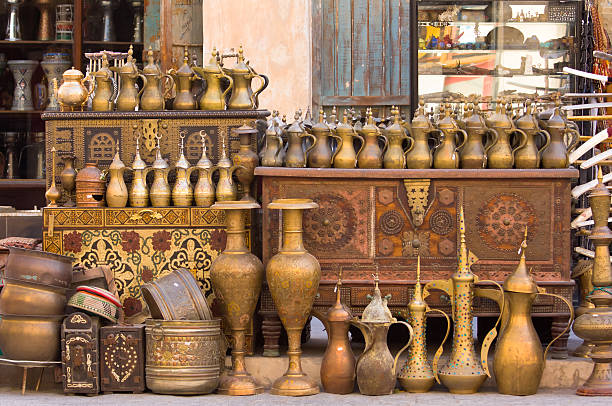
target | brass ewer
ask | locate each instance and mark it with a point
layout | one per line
(273, 152)
(154, 95)
(296, 154)
(293, 277)
(446, 155)
(563, 139)
(519, 361)
(160, 191)
(243, 97)
(529, 156)
(106, 88)
(213, 98)
(464, 372)
(346, 157)
(129, 95)
(246, 160)
(395, 157)
(182, 192)
(204, 190)
(116, 190)
(371, 155)
(53, 193)
(226, 187)
(183, 77)
(237, 277)
(473, 154)
(418, 154)
(501, 154)
(139, 192)
(596, 324)
(72, 95)
(418, 375)
(321, 154)
(376, 367)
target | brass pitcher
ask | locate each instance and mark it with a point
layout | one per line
(213, 98)
(106, 88)
(182, 192)
(204, 190)
(529, 156)
(139, 192)
(501, 155)
(160, 191)
(72, 95)
(273, 152)
(116, 191)
(419, 155)
(243, 97)
(226, 188)
(395, 157)
(184, 99)
(346, 157)
(519, 361)
(473, 154)
(129, 97)
(153, 95)
(446, 155)
(371, 155)
(563, 139)
(376, 367)
(296, 154)
(321, 155)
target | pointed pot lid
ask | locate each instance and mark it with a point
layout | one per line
(296, 126)
(117, 162)
(185, 69)
(138, 162)
(338, 311)
(151, 68)
(321, 125)
(395, 128)
(377, 311)
(520, 280)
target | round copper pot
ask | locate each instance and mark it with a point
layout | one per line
(39, 267)
(40, 300)
(90, 186)
(30, 338)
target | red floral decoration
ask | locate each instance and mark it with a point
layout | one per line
(218, 239)
(161, 240)
(130, 241)
(73, 242)
(131, 306)
(147, 274)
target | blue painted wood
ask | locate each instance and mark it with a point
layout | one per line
(404, 20)
(360, 48)
(344, 39)
(392, 48)
(328, 48)
(375, 48)
(151, 25)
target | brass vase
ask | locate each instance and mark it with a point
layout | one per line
(246, 160)
(68, 179)
(293, 279)
(53, 193)
(45, 24)
(237, 276)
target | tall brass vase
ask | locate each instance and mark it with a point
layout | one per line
(237, 276)
(293, 278)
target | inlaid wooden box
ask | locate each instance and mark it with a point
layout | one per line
(122, 358)
(80, 349)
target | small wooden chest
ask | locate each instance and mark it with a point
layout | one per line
(122, 359)
(80, 366)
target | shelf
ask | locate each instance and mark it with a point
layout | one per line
(113, 43)
(34, 43)
(517, 24)
(538, 75)
(20, 115)
(481, 51)
(23, 184)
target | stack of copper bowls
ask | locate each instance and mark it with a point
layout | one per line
(32, 304)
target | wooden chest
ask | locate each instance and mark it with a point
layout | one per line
(80, 366)
(372, 218)
(122, 359)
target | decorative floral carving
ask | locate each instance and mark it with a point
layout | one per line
(130, 241)
(131, 306)
(414, 242)
(73, 242)
(331, 226)
(441, 222)
(391, 222)
(161, 240)
(147, 274)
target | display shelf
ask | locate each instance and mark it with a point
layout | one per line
(517, 24)
(22, 184)
(34, 43)
(114, 43)
(483, 51)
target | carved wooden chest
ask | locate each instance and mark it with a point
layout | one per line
(80, 366)
(373, 218)
(122, 359)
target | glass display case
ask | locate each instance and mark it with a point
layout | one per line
(495, 48)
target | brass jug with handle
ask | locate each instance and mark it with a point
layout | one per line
(419, 155)
(243, 97)
(296, 154)
(72, 95)
(183, 78)
(519, 361)
(204, 190)
(473, 154)
(501, 155)
(321, 154)
(182, 192)
(446, 155)
(529, 156)
(563, 140)
(273, 153)
(395, 157)
(139, 192)
(346, 157)
(116, 190)
(226, 187)
(371, 155)
(213, 98)
(160, 191)
(129, 97)
(155, 92)
(376, 367)
(106, 88)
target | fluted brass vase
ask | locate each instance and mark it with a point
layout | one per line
(237, 276)
(293, 278)
(596, 324)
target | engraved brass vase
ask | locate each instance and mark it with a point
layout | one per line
(293, 277)
(246, 160)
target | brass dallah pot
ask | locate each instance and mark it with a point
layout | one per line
(184, 99)
(116, 190)
(296, 154)
(473, 154)
(106, 88)
(139, 192)
(204, 190)
(182, 191)
(237, 276)
(243, 97)
(213, 98)
(129, 97)
(246, 160)
(346, 157)
(529, 156)
(321, 155)
(226, 187)
(395, 157)
(445, 155)
(160, 191)
(273, 152)
(154, 95)
(419, 155)
(556, 154)
(501, 154)
(371, 155)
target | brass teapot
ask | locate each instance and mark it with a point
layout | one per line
(395, 157)
(296, 154)
(160, 191)
(153, 95)
(243, 97)
(501, 155)
(116, 190)
(273, 153)
(321, 154)
(346, 157)
(183, 77)
(204, 190)
(213, 98)
(129, 97)
(182, 192)
(226, 187)
(529, 156)
(139, 192)
(106, 88)
(563, 140)
(473, 154)
(371, 155)
(419, 155)
(446, 155)
(72, 95)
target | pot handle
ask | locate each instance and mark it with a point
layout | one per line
(90, 88)
(264, 83)
(385, 140)
(361, 147)
(445, 286)
(222, 74)
(494, 140)
(168, 93)
(367, 334)
(574, 140)
(157, 332)
(338, 146)
(144, 84)
(307, 150)
(546, 136)
(440, 350)
(404, 347)
(115, 91)
(464, 140)
(521, 144)
(488, 340)
(569, 323)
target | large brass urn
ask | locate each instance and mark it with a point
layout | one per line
(293, 278)
(237, 276)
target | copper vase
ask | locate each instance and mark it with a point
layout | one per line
(237, 276)
(293, 278)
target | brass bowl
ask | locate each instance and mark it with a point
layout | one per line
(30, 338)
(40, 300)
(40, 267)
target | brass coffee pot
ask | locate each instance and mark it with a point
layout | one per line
(160, 191)
(519, 362)
(501, 155)
(243, 97)
(129, 96)
(213, 98)
(445, 154)
(371, 155)
(395, 157)
(153, 96)
(116, 191)
(321, 155)
(529, 156)
(139, 192)
(204, 191)
(184, 99)
(473, 154)
(346, 157)
(376, 367)
(182, 192)
(106, 88)
(563, 139)
(419, 155)
(273, 152)
(296, 154)
(226, 188)
(72, 95)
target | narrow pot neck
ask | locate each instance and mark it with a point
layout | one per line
(235, 220)
(292, 230)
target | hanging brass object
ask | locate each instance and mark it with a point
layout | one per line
(346, 157)
(116, 191)
(583, 273)
(226, 188)
(418, 375)
(395, 157)
(371, 155)
(293, 278)
(184, 99)
(464, 373)
(204, 190)
(529, 156)
(213, 97)
(418, 154)
(446, 155)
(596, 324)
(473, 154)
(129, 95)
(237, 276)
(53, 193)
(153, 95)
(556, 154)
(139, 192)
(246, 160)
(501, 155)
(160, 191)
(320, 154)
(182, 192)
(106, 88)
(72, 95)
(273, 152)
(296, 154)
(243, 97)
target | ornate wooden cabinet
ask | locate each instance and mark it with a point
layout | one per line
(80, 349)
(122, 358)
(372, 219)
